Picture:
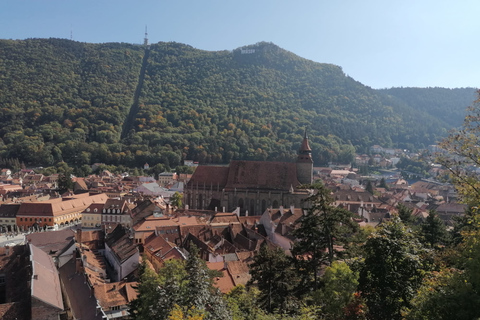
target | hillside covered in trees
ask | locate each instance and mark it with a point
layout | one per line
(124, 104)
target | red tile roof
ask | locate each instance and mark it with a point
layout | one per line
(262, 175)
(45, 284)
(210, 176)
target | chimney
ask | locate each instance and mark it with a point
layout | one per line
(186, 207)
(215, 209)
(246, 213)
(223, 209)
(292, 208)
(7, 250)
(281, 211)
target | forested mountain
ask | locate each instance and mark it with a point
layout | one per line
(123, 104)
(446, 104)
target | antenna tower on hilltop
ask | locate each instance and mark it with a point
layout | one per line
(145, 40)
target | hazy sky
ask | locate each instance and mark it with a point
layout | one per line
(410, 43)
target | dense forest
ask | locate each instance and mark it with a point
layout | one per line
(124, 104)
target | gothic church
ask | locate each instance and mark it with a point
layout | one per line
(253, 186)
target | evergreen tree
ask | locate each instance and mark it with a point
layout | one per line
(321, 226)
(271, 272)
(434, 230)
(200, 293)
(369, 187)
(405, 213)
(383, 183)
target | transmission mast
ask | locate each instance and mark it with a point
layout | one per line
(145, 40)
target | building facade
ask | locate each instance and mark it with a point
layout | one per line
(252, 186)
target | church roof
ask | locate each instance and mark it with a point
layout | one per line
(210, 176)
(262, 175)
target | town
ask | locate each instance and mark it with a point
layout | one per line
(76, 255)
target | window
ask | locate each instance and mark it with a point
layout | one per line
(21, 219)
(31, 219)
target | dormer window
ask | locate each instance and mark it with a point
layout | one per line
(95, 210)
(88, 210)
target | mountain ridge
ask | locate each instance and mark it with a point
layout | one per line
(62, 100)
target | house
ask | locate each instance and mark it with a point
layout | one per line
(351, 200)
(8, 217)
(121, 253)
(15, 275)
(92, 215)
(113, 299)
(158, 250)
(59, 245)
(115, 212)
(279, 224)
(148, 207)
(167, 178)
(55, 212)
(153, 189)
(46, 292)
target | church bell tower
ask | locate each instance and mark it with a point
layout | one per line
(305, 162)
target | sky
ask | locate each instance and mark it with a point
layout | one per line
(382, 44)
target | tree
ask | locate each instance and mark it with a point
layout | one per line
(200, 293)
(459, 152)
(65, 182)
(339, 286)
(321, 226)
(405, 213)
(147, 305)
(272, 273)
(392, 271)
(176, 200)
(369, 187)
(434, 230)
(383, 183)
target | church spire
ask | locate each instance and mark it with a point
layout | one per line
(305, 148)
(305, 161)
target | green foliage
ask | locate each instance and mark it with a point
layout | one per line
(200, 293)
(419, 167)
(176, 200)
(433, 230)
(369, 187)
(447, 104)
(180, 289)
(321, 227)
(82, 103)
(65, 182)
(392, 271)
(147, 305)
(461, 155)
(339, 286)
(405, 214)
(272, 273)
